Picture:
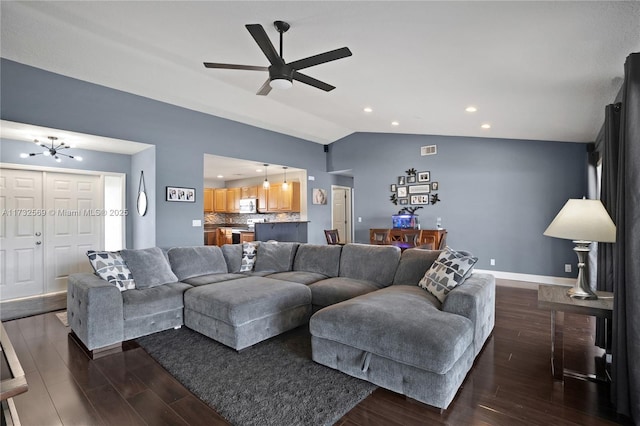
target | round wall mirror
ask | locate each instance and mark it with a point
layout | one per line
(142, 196)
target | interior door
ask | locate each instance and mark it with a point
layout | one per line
(341, 212)
(76, 226)
(21, 228)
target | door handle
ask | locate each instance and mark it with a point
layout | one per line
(38, 243)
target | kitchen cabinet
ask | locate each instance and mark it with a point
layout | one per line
(211, 237)
(209, 200)
(277, 200)
(249, 192)
(246, 237)
(225, 236)
(233, 200)
(220, 200)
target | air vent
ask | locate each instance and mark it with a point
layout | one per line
(428, 150)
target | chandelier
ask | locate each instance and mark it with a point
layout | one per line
(53, 150)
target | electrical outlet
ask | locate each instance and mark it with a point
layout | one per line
(567, 267)
(493, 262)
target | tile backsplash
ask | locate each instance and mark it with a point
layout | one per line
(223, 218)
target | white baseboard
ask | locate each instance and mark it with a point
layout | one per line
(526, 280)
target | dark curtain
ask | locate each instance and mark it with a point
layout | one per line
(620, 263)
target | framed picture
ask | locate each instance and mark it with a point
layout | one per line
(434, 186)
(402, 191)
(404, 202)
(420, 199)
(319, 196)
(401, 180)
(424, 176)
(419, 189)
(393, 187)
(411, 179)
(183, 195)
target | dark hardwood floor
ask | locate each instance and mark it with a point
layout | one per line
(510, 383)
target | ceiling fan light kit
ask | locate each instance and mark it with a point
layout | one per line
(282, 74)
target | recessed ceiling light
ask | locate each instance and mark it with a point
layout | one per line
(258, 170)
(368, 109)
(486, 126)
(395, 123)
(220, 176)
(471, 109)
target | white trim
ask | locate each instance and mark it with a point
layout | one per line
(57, 170)
(35, 296)
(528, 280)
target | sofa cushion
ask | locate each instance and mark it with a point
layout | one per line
(275, 257)
(212, 279)
(401, 323)
(449, 270)
(301, 277)
(321, 259)
(376, 264)
(334, 290)
(249, 253)
(414, 263)
(152, 301)
(233, 257)
(188, 262)
(149, 267)
(111, 267)
(240, 301)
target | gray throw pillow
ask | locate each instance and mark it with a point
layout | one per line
(149, 267)
(449, 270)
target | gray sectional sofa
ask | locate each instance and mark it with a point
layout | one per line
(366, 314)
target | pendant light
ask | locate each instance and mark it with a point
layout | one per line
(285, 185)
(266, 184)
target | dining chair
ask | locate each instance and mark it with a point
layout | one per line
(332, 237)
(379, 236)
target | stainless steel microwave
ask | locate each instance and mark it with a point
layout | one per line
(248, 205)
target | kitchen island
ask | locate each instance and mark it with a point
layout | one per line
(282, 231)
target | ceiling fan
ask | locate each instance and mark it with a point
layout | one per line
(281, 73)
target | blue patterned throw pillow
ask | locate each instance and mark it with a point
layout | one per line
(112, 268)
(449, 270)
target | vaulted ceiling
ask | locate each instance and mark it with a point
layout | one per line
(533, 70)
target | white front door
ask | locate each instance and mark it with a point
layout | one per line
(74, 226)
(21, 228)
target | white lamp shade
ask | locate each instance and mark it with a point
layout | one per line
(583, 220)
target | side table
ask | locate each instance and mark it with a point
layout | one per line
(554, 298)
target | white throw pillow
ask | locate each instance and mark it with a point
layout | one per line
(248, 257)
(111, 267)
(449, 270)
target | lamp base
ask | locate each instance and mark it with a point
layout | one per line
(581, 289)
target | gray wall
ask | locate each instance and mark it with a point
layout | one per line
(92, 160)
(498, 196)
(144, 227)
(181, 137)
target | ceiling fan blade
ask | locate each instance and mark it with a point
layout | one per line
(321, 58)
(312, 81)
(260, 36)
(234, 66)
(265, 88)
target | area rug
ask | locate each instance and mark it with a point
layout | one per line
(62, 316)
(275, 382)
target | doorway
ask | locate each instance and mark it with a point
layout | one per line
(341, 216)
(48, 221)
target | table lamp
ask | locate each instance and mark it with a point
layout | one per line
(583, 221)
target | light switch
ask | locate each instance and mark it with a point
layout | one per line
(196, 223)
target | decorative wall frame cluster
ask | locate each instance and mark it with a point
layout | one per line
(414, 188)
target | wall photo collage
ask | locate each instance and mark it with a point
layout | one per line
(414, 188)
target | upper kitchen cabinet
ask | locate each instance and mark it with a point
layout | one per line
(220, 200)
(249, 192)
(209, 200)
(278, 200)
(233, 200)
